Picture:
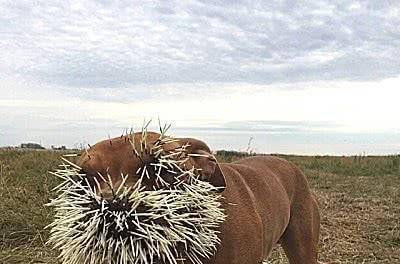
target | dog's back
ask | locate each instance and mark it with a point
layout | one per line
(267, 200)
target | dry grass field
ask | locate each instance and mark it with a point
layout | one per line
(359, 200)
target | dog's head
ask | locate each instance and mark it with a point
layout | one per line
(126, 155)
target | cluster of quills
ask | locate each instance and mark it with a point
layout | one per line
(174, 223)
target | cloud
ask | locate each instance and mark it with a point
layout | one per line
(75, 71)
(280, 126)
(307, 107)
(105, 44)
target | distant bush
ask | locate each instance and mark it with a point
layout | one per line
(31, 146)
(59, 148)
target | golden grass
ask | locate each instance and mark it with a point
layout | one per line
(359, 199)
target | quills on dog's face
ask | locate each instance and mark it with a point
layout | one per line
(161, 213)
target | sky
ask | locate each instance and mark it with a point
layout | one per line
(317, 74)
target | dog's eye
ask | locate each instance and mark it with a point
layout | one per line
(212, 158)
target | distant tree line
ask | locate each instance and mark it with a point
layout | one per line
(38, 146)
(31, 146)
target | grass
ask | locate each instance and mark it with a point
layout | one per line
(359, 200)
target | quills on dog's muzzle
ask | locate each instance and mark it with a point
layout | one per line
(174, 221)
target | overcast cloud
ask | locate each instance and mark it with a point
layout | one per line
(108, 64)
(119, 43)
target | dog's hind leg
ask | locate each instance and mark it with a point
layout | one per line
(300, 239)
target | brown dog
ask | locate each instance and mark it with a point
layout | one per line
(267, 199)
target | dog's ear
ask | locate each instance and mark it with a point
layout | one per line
(203, 160)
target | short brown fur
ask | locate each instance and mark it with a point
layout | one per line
(267, 200)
